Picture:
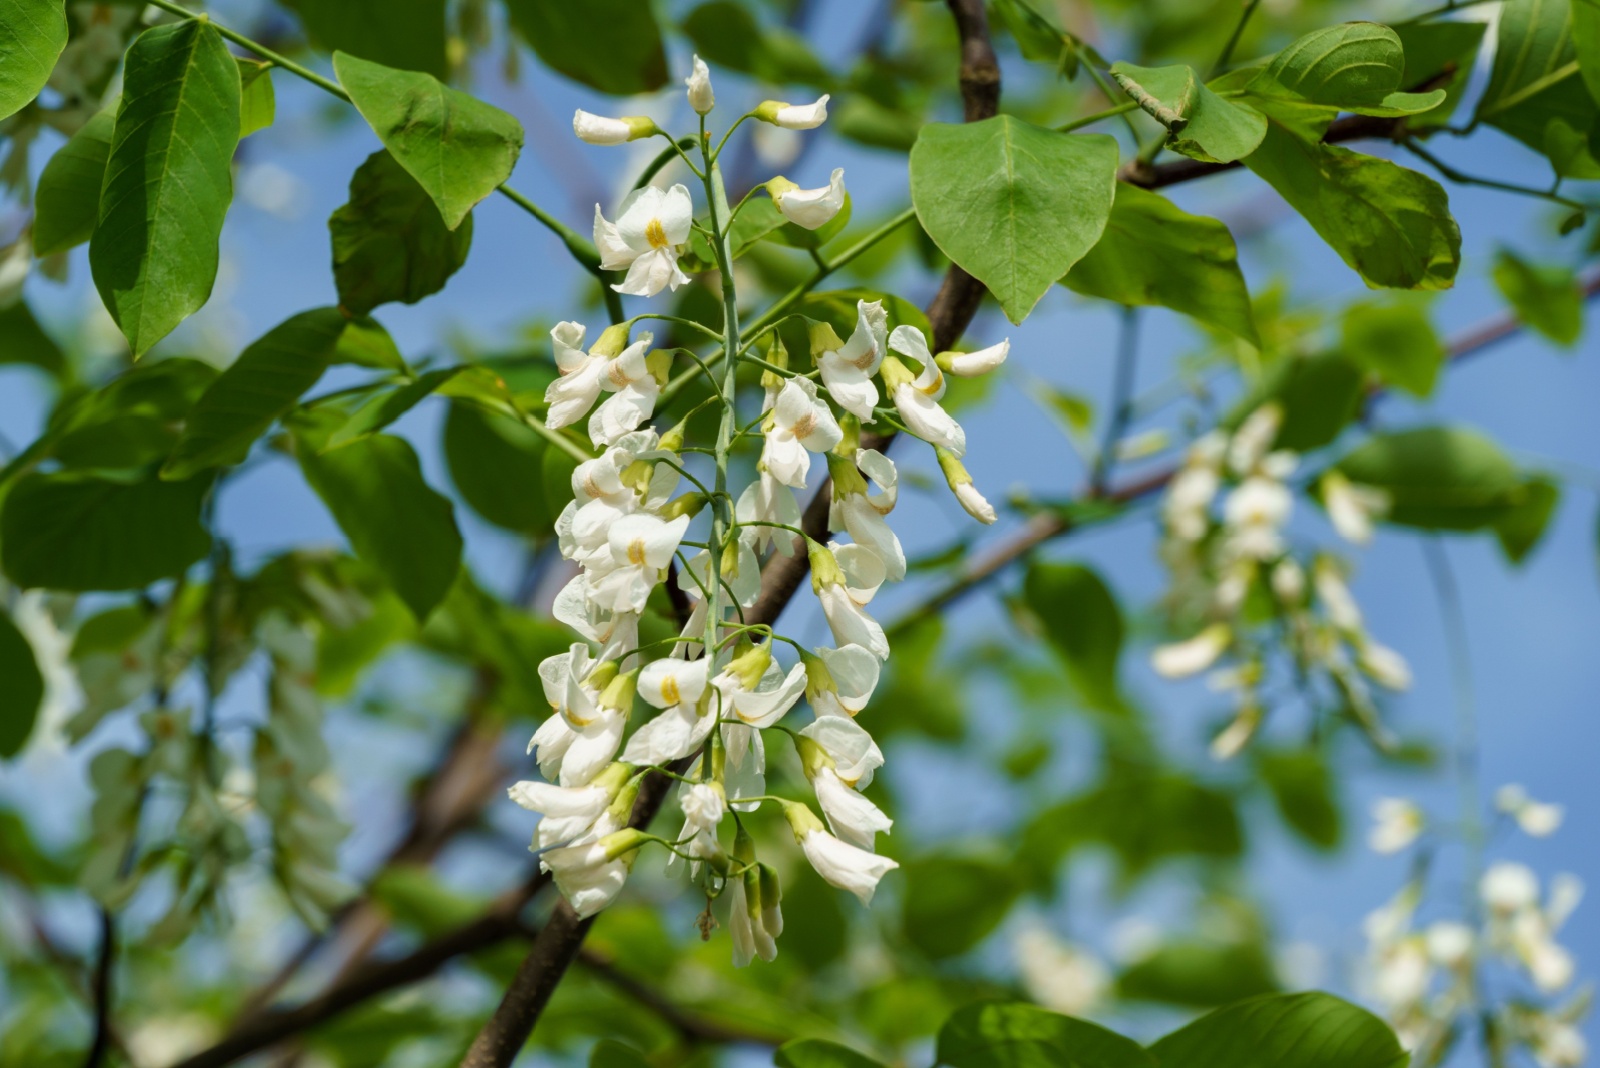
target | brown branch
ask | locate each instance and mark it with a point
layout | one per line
(1045, 527)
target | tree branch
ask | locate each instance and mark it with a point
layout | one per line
(1044, 527)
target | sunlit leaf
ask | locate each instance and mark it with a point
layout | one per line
(610, 45)
(1013, 204)
(169, 180)
(1083, 622)
(405, 34)
(1438, 477)
(1396, 341)
(1008, 1035)
(32, 35)
(67, 203)
(258, 104)
(1545, 297)
(1284, 1031)
(457, 147)
(1200, 124)
(1521, 529)
(951, 902)
(1536, 91)
(818, 1053)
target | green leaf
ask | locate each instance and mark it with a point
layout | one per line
(383, 408)
(23, 691)
(395, 522)
(1006, 1035)
(23, 340)
(1038, 39)
(1586, 42)
(1521, 529)
(1200, 124)
(32, 35)
(727, 34)
(406, 34)
(365, 343)
(1395, 341)
(169, 180)
(258, 104)
(252, 394)
(1284, 1031)
(74, 531)
(1200, 974)
(610, 45)
(459, 148)
(1546, 298)
(609, 1053)
(817, 1053)
(497, 466)
(1390, 224)
(67, 203)
(1083, 623)
(952, 903)
(1355, 66)
(390, 242)
(1536, 92)
(1303, 790)
(1438, 477)
(1014, 205)
(1439, 51)
(1319, 395)
(132, 421)
(1153, 252)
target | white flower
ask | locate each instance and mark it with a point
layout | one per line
(1403, 973)
(1061, 977)
(1254, 437)
(569, 811)
(634, 391)
(615, 632)
(579, 385)
(1186, 508)
(1288, 581)
(847, 368)
(808, 208)
(600, 130)
(1398, 823)
(861, 513)
(741, 576)
(676, 686)
(1193, 655)
(755, 691)
(590, 876)
(1255, 513)
(851, 816)
(839, 863)
(641, 547)
(1558, 1044)
(1509, 887)
(1385, 666)
(755, 919)
(1450, 943)
(794, 116)
(704, 806)
(701, 98)
(839, 682)
(1537, 818)
(845, 578)
(854, 755)
(1335, 597)
(645, 239)
(1232, 739)
(959, 480)
(802, 423)
(767, 500)
(52, 650)
(917, 399)
(972, 364)
(581, 739)
(1352, 508)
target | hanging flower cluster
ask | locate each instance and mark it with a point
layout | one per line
(1430, 979)
(1235, 570)
(717, 690)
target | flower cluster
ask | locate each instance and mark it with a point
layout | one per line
(1429, 979)
(1237, 574)
(716, 688)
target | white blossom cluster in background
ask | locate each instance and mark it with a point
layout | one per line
(1235, 571)
(1494, 971)
(720, 688)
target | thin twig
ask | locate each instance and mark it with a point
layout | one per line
(1121, 407)
(101, 990)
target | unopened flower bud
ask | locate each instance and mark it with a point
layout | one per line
(619, 691)
(688, 504)
(825, 570)
(801, 820)
(701, 98)
(811, 209)
(967, 364)
(794, 116)
(960, 482)
(823, 338)
(749, 666)
(847, 478)
(600, 130)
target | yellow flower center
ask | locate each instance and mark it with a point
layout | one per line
(636, 552)
(669, 690)
(656, 234)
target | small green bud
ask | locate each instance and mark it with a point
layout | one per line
(847, 479)
(850, 444)
(619, 692)
(749, 666)
(801, 820)
(771, 898)
(689, 504)
(823, 338)
(744, 846)
(612, 340)
(659, 364)
(778, 356)
(895, 374)
(825, 569)
(601, 674)
(673, 440)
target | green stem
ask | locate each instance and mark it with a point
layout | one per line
(1233, 39)
(1112, 94)
(789, 299)
(1458, 177)
(1090, 120)
(722, 516)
